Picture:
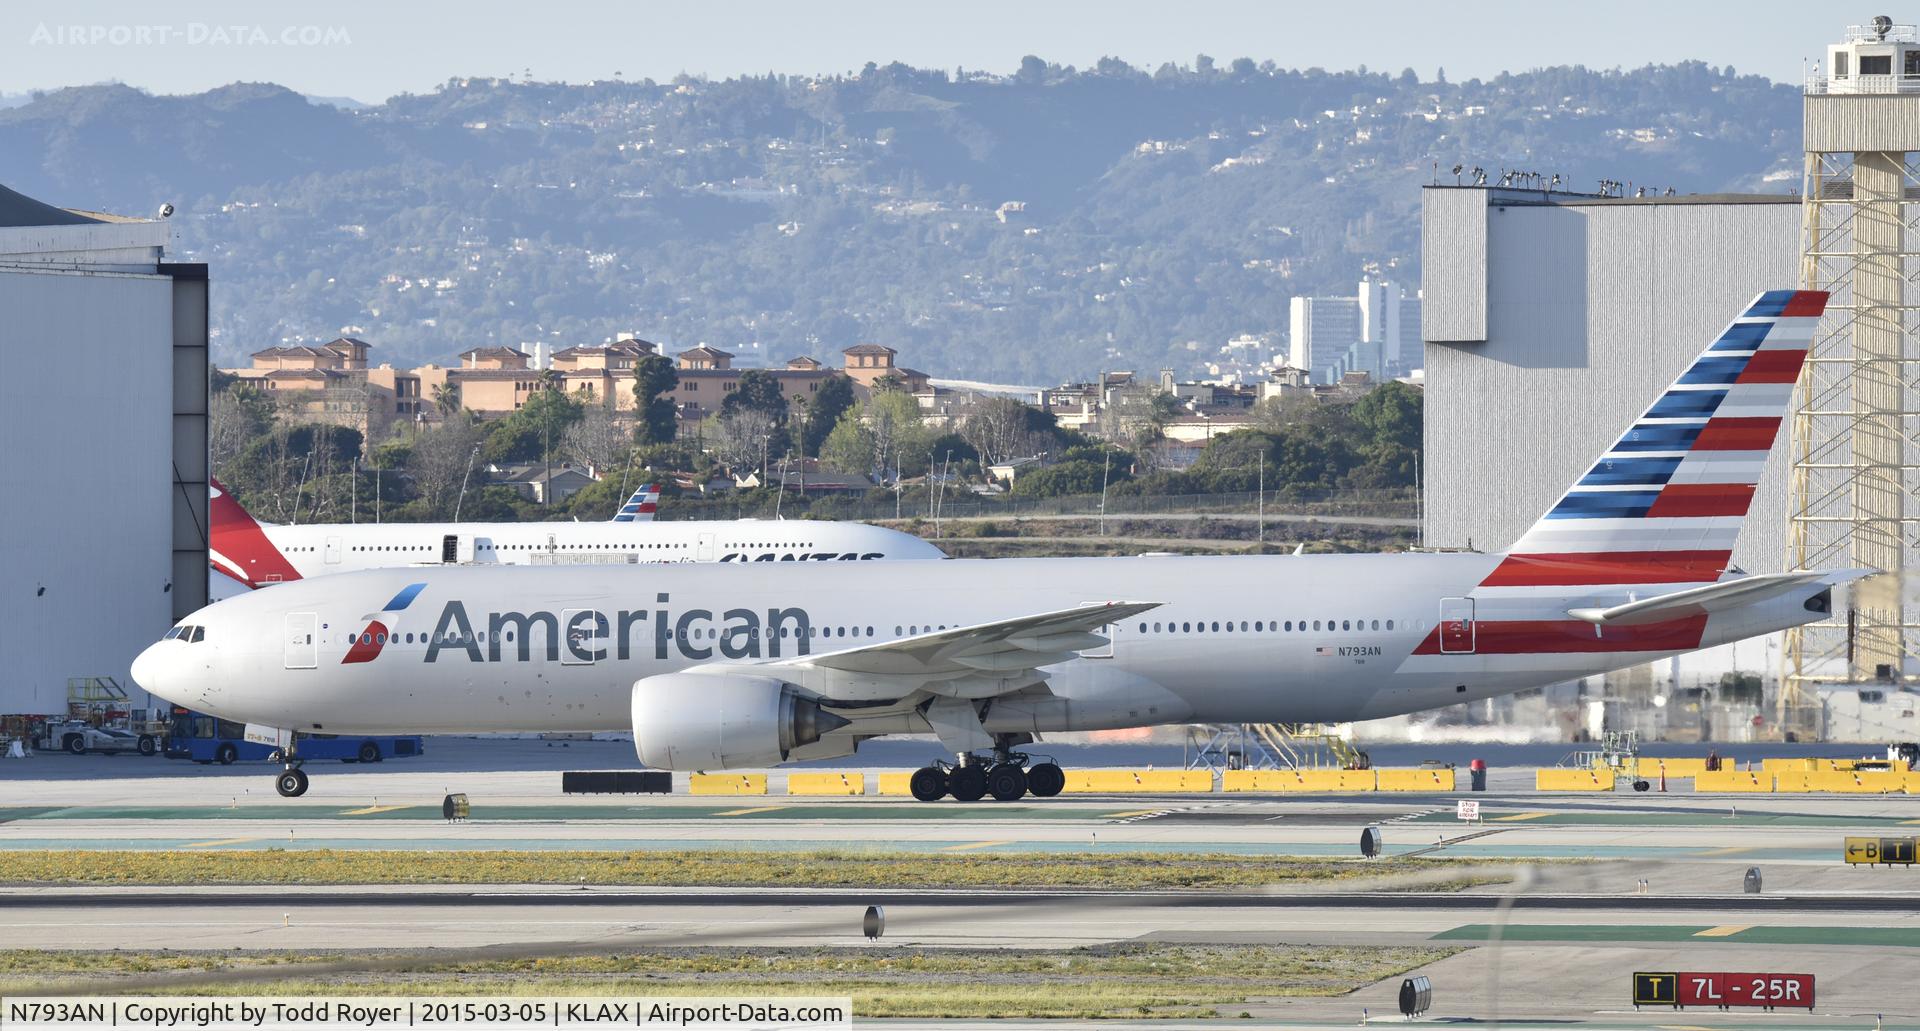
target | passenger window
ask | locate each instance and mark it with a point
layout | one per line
(1376, 624)
(1316, 624)
(1389, 624)
(1186, 628)
(1259, 625)
(1344, 625)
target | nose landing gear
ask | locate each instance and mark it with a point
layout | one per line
(292, 781)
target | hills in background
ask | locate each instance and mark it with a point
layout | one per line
(1031, 227)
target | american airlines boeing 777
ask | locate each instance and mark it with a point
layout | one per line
(714, 667)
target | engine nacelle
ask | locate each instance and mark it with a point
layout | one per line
(692, 721)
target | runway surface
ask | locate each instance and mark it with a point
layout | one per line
(1665, 895)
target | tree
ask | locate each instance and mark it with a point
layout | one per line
(849, 446)
(653, 381)
(997, 430)
(824, 410)
(538, 428)
(440, 461)
(757, 389)
(235, 416)
(596, 440)
(446, 399)
(744, 438)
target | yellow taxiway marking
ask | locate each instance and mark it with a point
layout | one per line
(370, 810)
(971, 845)
(1519, 816)
(1909, 822)
(1130, 812)
(1731, 850)
(1724, 930)
(222, 841)
(746, 812)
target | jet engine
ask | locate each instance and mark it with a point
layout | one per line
(692, 721)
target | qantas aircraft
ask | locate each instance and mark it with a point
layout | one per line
(715, 668)
(252, 555)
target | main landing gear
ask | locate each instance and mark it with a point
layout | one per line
(292, 781)
(1006, 775)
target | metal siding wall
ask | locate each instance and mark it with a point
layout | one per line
(1453, 268)
(83, 411)
(1592, 309)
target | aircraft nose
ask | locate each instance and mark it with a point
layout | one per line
(149, 671)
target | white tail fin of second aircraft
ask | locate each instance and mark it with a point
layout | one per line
(1666, 501)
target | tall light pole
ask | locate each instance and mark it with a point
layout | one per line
(1263, 500)
(1106, 462)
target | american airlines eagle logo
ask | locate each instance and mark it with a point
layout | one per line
(380, 626)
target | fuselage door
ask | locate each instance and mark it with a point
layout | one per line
(705, 552)
(333, 551)
(1456, 626)
(581, 639)
(302, 640)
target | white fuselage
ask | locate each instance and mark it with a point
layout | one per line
(1233, 639)
(323, 549)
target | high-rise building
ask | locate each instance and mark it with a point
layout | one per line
(1321, 330)
(1380, 316)
(1375, 332)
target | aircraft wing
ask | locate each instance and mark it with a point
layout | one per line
(979, 661)
(1714, 597)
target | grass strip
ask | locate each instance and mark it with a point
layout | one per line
(1134, 979)
(691, 868)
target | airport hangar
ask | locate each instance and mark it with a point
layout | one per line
(104, 414)
(1550, 322)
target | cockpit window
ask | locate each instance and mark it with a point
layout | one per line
(199, 634)
(173, 633)
(188, 634)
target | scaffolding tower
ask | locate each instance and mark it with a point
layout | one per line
(1856, 429)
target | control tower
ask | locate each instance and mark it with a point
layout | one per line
(1854, 491)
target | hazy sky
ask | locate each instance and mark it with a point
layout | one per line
(371, 50)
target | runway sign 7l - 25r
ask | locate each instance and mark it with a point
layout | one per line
(1723, 990)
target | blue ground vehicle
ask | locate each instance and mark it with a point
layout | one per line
(208, 739)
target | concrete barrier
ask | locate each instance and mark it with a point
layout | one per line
(1733, 781)
(826, 784)
(1790, 765)
(1558, 779)
(1414, 780)
(1675, 768)
(895, 783)
(727, 784)
(1794, 782)
(1333, 781)
(1101, 782)
(1860, 782)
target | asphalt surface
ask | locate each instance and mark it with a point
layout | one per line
(1665, 893)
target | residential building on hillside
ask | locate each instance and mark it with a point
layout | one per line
(333, 382)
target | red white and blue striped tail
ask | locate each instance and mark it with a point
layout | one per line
(1664, 504)
(641, 507)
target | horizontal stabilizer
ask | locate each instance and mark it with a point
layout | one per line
(1714, 597)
